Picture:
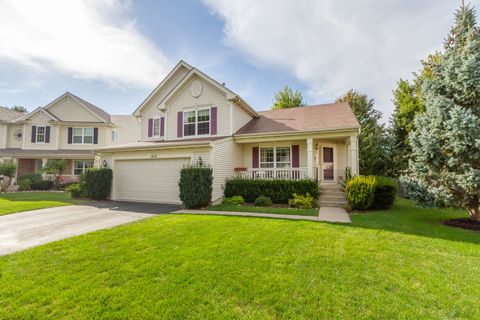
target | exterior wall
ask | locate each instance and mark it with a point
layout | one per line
(127, 129)
(40, 119)
(67, 109)
(240, 117)
(151, 110)
(102, 137)
(3, 135)
(341, 152)
(25, 166)
(226, 156)
(210, 97)
(11, 142)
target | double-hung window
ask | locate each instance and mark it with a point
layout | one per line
(156, 127)
(80, 166)
(40, 134)
(275, 157)
(196, 122)
(83, 135)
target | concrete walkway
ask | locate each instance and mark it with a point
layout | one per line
(327, 215)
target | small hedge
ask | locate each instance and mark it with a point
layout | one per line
(370, 192)
(195, 186)
(97, 183)
(41, 185)
(280, 191)
(263, 201)
(33, 177)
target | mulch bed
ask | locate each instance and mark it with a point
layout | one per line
(463, 223)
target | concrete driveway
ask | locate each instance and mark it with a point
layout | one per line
(27, 229)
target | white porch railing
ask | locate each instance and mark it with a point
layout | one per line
(276, 173)
(64, 178)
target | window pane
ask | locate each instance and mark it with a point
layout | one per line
(88, 164)
(40, 130)
(327, 154)
(78, 168)
(204, 115)
(283, 154)
(88, 139)
(156, 127)
(266, 158)
(88, 135)
(204, 128)
(189, 117)
(77, 131)
(189, 129)
(77, 139)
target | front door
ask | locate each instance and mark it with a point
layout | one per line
(328, 166)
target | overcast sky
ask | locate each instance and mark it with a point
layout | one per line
(114, 52)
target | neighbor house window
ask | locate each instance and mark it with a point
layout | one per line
(156, 127)
(196, 122)
(114, 135)
(40, 134)
(275, 157)
(80, 166)
(83, 135)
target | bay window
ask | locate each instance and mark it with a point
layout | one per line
(196, 122)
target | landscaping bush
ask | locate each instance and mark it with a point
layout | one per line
(302, 201)
(233, 200)
(25, 184)
(76, 190)
(360, 192)
(196, 186)
(280, 191)
(97, 183)
(263, 201)
(42, 185)
(385, 192)
(33, 177)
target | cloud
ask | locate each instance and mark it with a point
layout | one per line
(335, 45)
(91, 39)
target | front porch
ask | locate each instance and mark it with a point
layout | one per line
(327, 158)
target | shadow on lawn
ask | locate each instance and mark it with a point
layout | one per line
(405, 218)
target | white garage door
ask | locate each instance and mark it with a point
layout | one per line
(153, 180)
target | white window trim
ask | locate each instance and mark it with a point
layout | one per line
(274, 156)
(196, 122)
(83, 166)
(83, 135)
(44, 135)
(153, 127)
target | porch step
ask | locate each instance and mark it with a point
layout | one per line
(340, 198)
(334, 204)
(332, 195)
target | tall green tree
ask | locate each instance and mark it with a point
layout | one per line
(446, 139)
(19, 109)
(373, 142)
(286, 98)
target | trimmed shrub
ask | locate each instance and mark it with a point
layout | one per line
(33, 177)
(360, 192)
(41, 185)
(97, 183)
(385, 192)
(76, 190)
(195, 186)
(263, 201)
(233, 200)
(302, 201)
(25, 184)
(279, 190)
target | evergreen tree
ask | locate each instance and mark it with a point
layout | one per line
(446, 140)
(373, 143)
(286, 98)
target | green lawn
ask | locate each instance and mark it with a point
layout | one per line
(232, 207)
(401, 263)
(23, 201)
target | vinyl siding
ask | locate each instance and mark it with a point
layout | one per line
(227, 155)
(68, 109)
(40, 119)
(11, 142)
(240, 118)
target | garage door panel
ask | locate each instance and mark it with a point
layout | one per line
(153, 180)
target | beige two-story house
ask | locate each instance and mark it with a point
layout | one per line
(191, 118)
(67, 128)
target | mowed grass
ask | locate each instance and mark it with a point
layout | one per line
(239, 208)
(23, 201)
(401, 263)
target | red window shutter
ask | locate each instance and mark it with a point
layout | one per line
(150, 127)
(162, 126)
(255, 157)
(95, 135)
(295, 156)
(47, 134)
(180, 124)
(34, 134)
(213, 120)
(70, 135)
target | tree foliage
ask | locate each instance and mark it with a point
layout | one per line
(19, 109)
(373, 140)
(7, 171)
(446, 139)
(286, 98)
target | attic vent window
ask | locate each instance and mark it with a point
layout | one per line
(196, 89)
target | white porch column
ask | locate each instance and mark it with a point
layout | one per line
(353, 150)
(44, 162)
(310, 158)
